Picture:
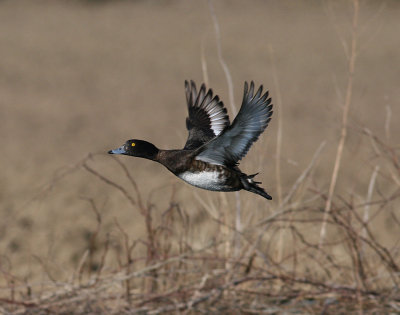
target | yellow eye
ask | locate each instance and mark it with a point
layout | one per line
(133, 144)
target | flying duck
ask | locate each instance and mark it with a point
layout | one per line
(214, 147)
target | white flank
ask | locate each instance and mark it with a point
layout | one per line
(206, 180)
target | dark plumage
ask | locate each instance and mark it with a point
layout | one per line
(213, 148)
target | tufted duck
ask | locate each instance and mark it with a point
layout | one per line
(214, 147)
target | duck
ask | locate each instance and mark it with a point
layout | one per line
(214, 147)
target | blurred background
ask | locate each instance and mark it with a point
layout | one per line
(80, 77)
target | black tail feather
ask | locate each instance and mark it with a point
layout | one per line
(250, 185)
(259, 191)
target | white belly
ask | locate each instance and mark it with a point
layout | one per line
(207, 180)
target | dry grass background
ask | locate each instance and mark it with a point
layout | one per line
(82, 77)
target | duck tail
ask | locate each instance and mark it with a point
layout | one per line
(250, 185)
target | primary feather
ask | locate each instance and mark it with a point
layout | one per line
(207, 116)
(235, 140)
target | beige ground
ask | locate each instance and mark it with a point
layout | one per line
(77, 78)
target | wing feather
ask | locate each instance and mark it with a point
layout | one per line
(207, 116)
(235, 141)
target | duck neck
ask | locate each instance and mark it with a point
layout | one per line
(151, 153)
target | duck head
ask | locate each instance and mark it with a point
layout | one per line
(138, 148)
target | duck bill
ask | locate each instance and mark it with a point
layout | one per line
(120, 150)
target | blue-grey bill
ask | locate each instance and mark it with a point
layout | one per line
(120, 150)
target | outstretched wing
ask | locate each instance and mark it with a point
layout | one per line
(234, 142)
(207, 116)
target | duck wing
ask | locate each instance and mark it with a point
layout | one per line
(207, 116)
(235, 141)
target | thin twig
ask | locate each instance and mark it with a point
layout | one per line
(204, 68)
(280, 128)
(221, 59)
(238, 216)
(303, 175)
(343, 135)
(369, 196)
(110, 182)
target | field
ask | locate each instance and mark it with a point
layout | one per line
(84, 232)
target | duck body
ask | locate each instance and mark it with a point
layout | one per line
(214, 147)
(183, 164)
(198, 173)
